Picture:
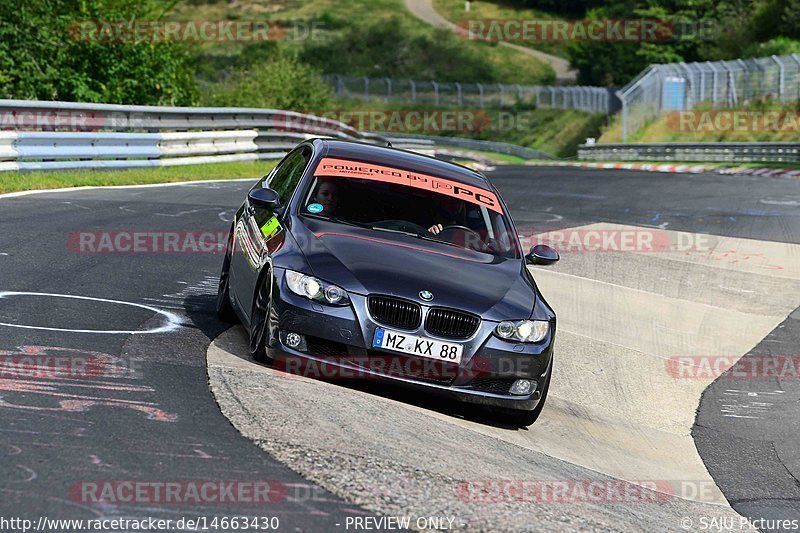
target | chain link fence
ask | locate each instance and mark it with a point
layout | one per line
(721, 84)
(480, 95)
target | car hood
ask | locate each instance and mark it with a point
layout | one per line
(372, 262)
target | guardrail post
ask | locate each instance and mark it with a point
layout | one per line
(480, 94)
(366, 87)
(519, 93)
(458, 94)
(413, 90)
(502, 94)
(388, 88)
(435, 92)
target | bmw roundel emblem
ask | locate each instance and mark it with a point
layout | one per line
(426, 295)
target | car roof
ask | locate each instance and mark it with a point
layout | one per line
(403, 159)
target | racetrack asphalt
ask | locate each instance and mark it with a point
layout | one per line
(151, 418)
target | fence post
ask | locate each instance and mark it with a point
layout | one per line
(796, 58)
(624, 119)
(366, 88)
(339, 85)
(435, 92)
(413, 90)
(746, 74)
(519, 93)
(780, 76)
(388, 88)
(502, 93)
(713, 83)
(459, 97)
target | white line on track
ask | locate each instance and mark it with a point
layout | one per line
(173, 321)
(100, 187)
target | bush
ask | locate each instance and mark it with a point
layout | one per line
(393, 48)
(281, 82)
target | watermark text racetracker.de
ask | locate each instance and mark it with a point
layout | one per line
(750, 367)
(434, 120)
(593, 491)
(158, 31)
(148, 242)
(584, 240)
(734, 120)
(647, 30)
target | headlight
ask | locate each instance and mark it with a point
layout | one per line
(523, 330)
(315, 289)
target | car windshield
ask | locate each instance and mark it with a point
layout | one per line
(429, 210)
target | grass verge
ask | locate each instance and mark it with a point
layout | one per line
(759, 122)
(453, 10)
(24, 181)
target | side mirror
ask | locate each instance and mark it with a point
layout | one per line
(541, 254)
(264, 198)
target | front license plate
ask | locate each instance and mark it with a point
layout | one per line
(420, 346)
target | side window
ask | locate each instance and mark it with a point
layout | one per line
(286, 177)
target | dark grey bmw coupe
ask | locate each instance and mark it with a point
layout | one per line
(372, 262)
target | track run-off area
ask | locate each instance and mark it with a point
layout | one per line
(115, 372)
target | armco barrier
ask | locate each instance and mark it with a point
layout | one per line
(778, 152)
(36, 135)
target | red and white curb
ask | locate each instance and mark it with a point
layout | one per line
(685, 169)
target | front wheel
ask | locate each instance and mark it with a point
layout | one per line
(527, 418)
(224, 308)
(259, 321)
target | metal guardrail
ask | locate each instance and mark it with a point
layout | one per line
(468, 144)
(37, 135)
(778, 152)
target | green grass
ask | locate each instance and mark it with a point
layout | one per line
(24, 181)
(504, 65)
(554, 131)
(453, 10)
(668, 128)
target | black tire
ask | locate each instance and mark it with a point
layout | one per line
(259, 321)
(225, 311)
(527, 418)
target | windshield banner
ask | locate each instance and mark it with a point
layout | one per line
(342, 168)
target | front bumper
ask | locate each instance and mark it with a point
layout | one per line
(339, 346)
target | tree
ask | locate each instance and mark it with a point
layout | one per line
(46, 54)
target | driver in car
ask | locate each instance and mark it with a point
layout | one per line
(453, 213)
(327, 196)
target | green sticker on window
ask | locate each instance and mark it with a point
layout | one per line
(271, 228)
